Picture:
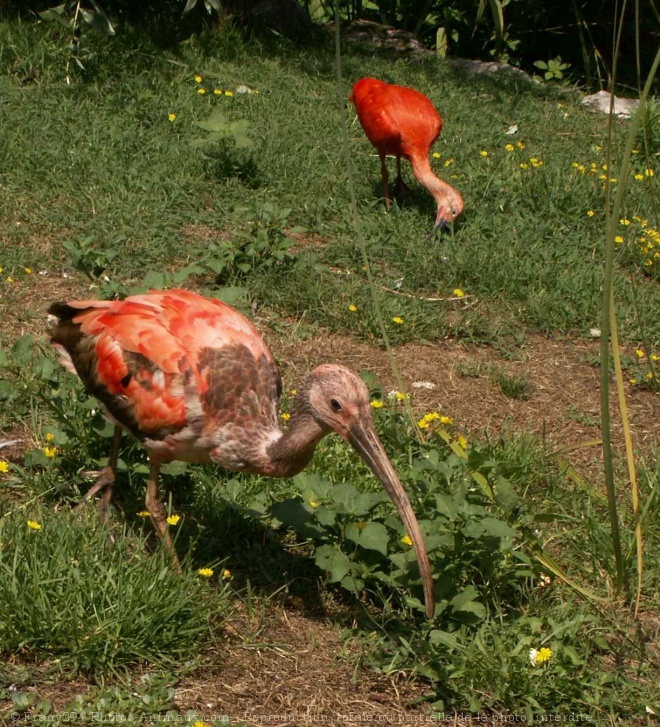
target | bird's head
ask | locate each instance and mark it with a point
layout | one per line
(450, 205)
(339, 401)
(337, 398)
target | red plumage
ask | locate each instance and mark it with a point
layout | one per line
(402, 122)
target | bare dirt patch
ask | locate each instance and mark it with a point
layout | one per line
(563, 408)
(299, 671)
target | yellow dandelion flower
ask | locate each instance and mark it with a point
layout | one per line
(520, 145)
(639, 177)
(28, 271)
(313, 503)
(4, 465)
(376, 403)
(458, 293)
(199, 723)
(524, 166)
(510, 147)
(398, 320)
(144, 513)
(201, 91)
(352, 308)
(633, 381)
(448, 162)
(423, 423)
(436, 155)
(618, 239)
(293, 392)
(462, 441)
(205, 572)
(590, 213)
(649, 376)
(649, 172)
(217, 92)
(406, 539)
(639, 353)
(226, 574)
(50, 452)
(483, 153)
(624, 221)
(575, 165)
(33, 525)
(229, 93)
(10, 279)
(543, 655)
(655, 357)
(1, 268)
(50, 437)
(285, 416)
(171, 117)
(613, 180)
(173, 519)
(446, 420)
(198, 79)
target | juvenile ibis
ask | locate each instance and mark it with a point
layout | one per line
(192, 379)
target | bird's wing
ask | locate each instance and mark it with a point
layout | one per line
(147, 357)
(397, 120)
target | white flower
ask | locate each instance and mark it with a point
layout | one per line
(533, 653)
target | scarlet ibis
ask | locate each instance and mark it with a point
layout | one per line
(193, 380)
(402, 122)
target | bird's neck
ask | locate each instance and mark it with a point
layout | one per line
(293, 451)
(442, 192)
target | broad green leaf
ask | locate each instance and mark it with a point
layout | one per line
(352, 584)
(474, 607)
(174, 468)
(230, 294)
(331, 559)
(370, 535)
(437, 636)
(291, 512)
(22, 349)
(490, 526)
(465, 596)
(154, 279)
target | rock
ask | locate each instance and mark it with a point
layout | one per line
(623, 107)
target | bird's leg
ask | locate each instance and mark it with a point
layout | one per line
(385, 177)
(400, 187)
(157, 513)
(106, 479)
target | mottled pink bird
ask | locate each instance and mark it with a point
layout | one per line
(193, 380)
(402, 122)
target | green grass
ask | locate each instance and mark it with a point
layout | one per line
(96, 180)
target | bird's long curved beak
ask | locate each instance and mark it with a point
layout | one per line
(365, 440)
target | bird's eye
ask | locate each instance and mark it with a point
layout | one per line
(335, 405)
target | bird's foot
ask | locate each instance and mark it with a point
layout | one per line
(105, 482)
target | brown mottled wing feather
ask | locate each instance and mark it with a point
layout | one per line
(169, 359)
